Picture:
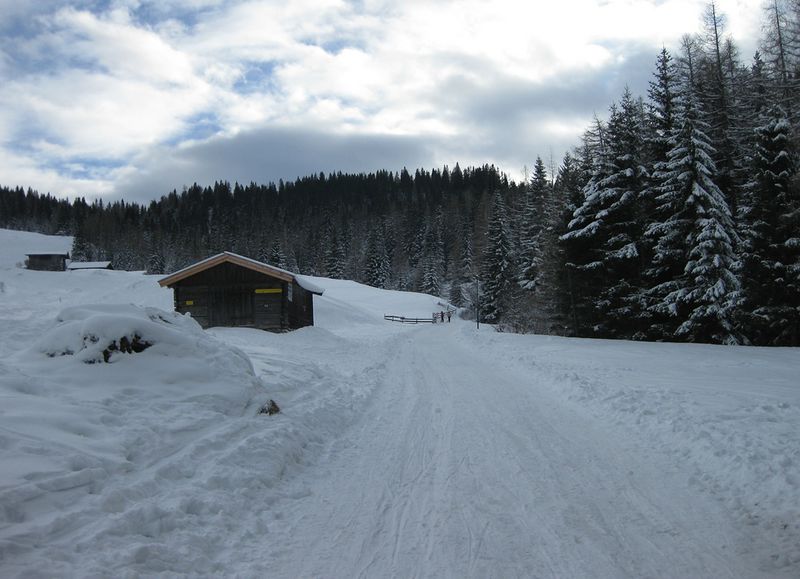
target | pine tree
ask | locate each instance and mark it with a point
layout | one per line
(430, 277)
(156, 263)
(771, 251)
(548, 303)
(581, 241)
(531, 220)
(456, 295)
(276, 256)
(466, 250)
(81, 248)
(498, 271)
(661, 118)
(716, 92)
(334, 256)
(661, 110)
(695, 239)
(608, 226)
(376, 271)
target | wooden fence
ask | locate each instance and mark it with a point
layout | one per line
(405, 320)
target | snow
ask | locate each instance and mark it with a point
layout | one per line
(73, 265)
(432, 450)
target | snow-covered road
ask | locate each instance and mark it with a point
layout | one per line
(427, 451)
(461, 467)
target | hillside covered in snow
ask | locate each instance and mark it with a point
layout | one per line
(131, 443)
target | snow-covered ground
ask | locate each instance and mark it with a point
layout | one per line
(400, 451)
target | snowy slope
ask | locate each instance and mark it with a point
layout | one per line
(431, 451)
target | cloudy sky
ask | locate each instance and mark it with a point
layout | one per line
(134, 98)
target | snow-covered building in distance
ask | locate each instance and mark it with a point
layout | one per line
(75, 265)
(47, 261)
(232, 290)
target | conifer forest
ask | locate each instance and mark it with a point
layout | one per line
(675, 218)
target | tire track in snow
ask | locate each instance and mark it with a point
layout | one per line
(459, 468)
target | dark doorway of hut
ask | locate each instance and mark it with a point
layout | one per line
(230, 307)
(268, 302)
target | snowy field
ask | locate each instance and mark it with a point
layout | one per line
(400, 451)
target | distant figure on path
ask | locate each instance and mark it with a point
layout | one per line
(442, 316)
(448, 316)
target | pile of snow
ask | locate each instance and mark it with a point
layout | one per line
(102, 333)
(78, 438)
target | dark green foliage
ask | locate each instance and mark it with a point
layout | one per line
(695, 242)
(604, 236)
(771, 252)
(498, 273)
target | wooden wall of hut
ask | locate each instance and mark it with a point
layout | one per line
(47, 262)
(231, 295)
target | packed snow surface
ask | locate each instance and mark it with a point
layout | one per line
(437, 450)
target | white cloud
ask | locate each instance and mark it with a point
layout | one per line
(118, 47)
(470, 77)
(22, 171)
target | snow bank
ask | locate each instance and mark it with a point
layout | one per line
(81, 442)
(98, 333)
(726, 416)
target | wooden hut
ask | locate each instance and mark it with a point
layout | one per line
(231, 290)
(47, 261)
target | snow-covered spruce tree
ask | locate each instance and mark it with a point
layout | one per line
(82, 250)
(695, 239)
(461, 269)
(498, 273)
(660, 122)
(660, 115)
(609, 226)
(661, 107)
(334, 255)
(466, 265)
(716, 92)
(124, 260)
(542, 258)
(530, 226)
(549, 304)
(442, 241)
(771, 239)
(156, 264)
(430, 277)
(582, 258)
(456, 295)
(276, 256)
(433, 261)
(376, 271)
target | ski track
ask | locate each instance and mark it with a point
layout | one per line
(445, 466)
(459, 469)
